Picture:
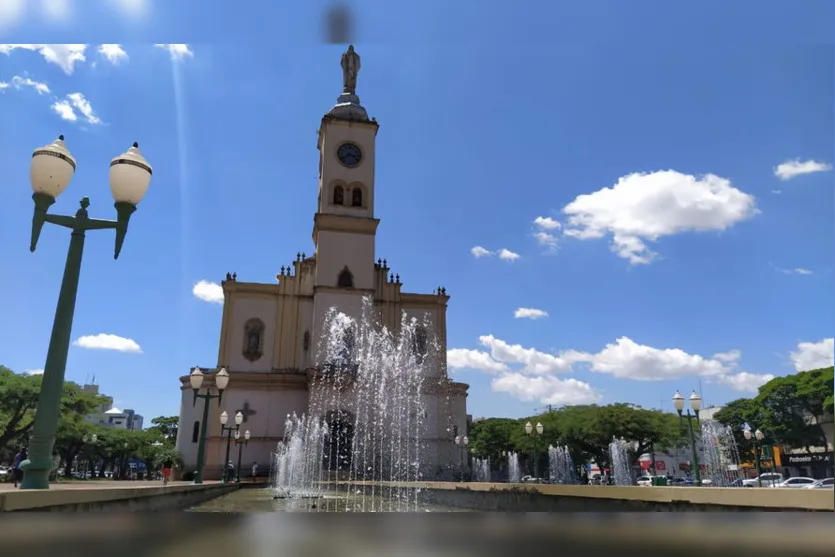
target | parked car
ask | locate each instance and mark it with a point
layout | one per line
(769, 479)
(739, 482)
(795, 482)
(827, 483)
(644, 481)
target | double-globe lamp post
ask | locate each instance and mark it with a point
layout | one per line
(240, 443)
(221, 380)
(229, 430)
(758, 437)
(696, 405)
(462, 443)
(50, 172)
(529, 429)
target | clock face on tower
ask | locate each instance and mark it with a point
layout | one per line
(349, 154)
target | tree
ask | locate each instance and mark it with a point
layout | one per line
(794, 406)
(18, 399)
(736, 415)
(167, 427)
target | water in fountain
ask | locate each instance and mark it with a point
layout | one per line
(366, 415)
(619, 462)
(561, 466)
(514, 474)
(720, 454)
(481, 469)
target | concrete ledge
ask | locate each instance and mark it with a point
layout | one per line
(74, 498)
(579, 498)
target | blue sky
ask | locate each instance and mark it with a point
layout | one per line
(671, 247)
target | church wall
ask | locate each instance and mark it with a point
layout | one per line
(294, 316)
(336, 250)
(245, 307)
(348, 302)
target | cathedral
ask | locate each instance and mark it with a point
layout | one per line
(270, 331)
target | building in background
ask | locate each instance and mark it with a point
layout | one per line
(109, 416)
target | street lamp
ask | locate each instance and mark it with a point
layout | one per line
(88, 460)
(50, 172)
(240, 443)
(696, 405)
(758, 437)
(229, 430)
(196, 379)
(529, 429)
(461, 443)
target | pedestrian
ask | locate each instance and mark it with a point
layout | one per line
(254, 471)
(166, 471)
(17, 473)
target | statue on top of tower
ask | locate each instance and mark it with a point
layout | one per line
(350, 63)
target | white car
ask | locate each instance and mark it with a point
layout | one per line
(644, 481)
(796, 482)
(769, 479)
(828, 483)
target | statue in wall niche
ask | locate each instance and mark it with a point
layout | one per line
(253, 339)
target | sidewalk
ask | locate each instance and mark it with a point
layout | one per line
(102, 484)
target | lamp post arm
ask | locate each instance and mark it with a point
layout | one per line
(101, 224)
(61, 220)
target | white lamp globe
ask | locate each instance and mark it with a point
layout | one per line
(222, 378)
(246, 435)
(239, 418)
(51, 169)
(695, 402)
(224, 417)
(130, 176)
(196, 378)
(678, 401)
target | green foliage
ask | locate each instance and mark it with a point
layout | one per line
(736, 415)
(18, 399)
(167, 427)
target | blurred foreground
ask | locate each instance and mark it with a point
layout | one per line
(278, 535)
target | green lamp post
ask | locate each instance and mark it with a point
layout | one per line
(50, 172)
(221, 380)
(758, 437)
(530, 429)
(696, 405)
(240, 443)
(229, 430)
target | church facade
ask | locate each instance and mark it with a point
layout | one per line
(269, 333)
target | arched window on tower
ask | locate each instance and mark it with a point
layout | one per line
(195, 432)
(419, 343)
(338, 195)
(356, 197)
(345, 279)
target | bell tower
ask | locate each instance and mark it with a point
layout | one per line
(344, 226)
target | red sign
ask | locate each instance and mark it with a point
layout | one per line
(644, 465)
(660, 465)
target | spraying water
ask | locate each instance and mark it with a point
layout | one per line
(721, 456)
(619, 462)
(514, 474)
(561, 466)
(481, 469)
(367, 414)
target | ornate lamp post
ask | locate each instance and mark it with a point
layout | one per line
(758, 437)
(229, 430)
(461, 443)
(529, 429)
(696, 405)
(196, 379)
(50, 172)
(240, 443)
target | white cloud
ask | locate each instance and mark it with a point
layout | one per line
(64, 110)
(3, 85)
(546, 240)
(546, 390)
(795, 271)
(813, 355)
(644, 207)
(83, 106)
(744, 382)
(479, 252)
(65, 56)
(463, 358)
(177, 51)
(729, 357)
(113, 52)
(546, 223)
(105, 341)
(532, 361)
(20, 82)
(33, 372)
(790, 169)
(57, 10)
(529, 313)
(507, 255)
(208, 292)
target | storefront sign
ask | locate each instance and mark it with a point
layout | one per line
(807, 458)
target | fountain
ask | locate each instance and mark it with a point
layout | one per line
(561, 466)
(720, 454)
(619, 462)
(366, 417)
(481, 469)
(514, 474)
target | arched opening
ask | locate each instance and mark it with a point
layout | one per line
(419, 343)
(338, 195)
(345, 279)
(339, 444)
(306, 341)
(195, 432)
(356, 197)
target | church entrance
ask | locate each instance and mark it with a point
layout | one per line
(339, 442)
